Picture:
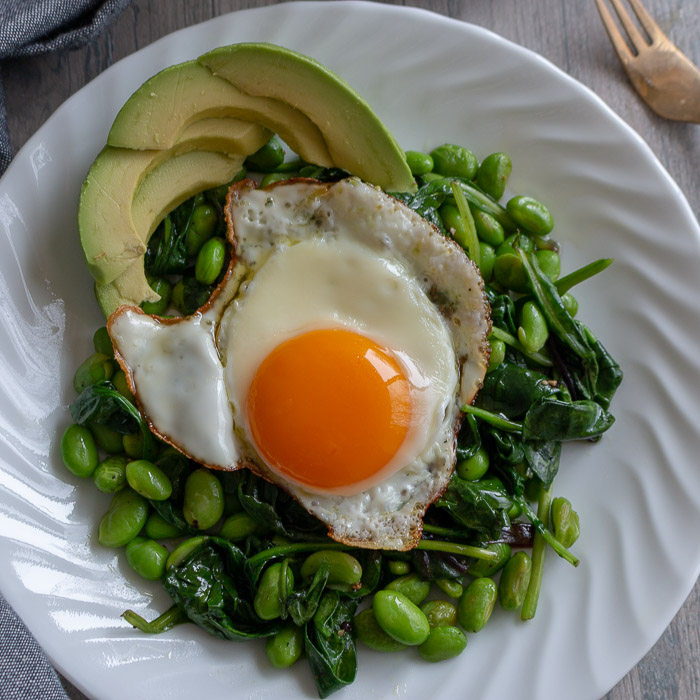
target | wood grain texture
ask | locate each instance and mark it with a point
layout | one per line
(570, 35)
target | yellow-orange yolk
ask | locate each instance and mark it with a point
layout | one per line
(329, 408)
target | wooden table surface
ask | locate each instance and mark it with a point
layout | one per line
(568, 33)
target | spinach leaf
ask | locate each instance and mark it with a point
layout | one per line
(468, 438)
(543, 458)
(510, 390)
(433, 565)
(609, 372)
(167, 253)
(302, 604)
(329, 643)
(549, 419)
(211, 588)
(276, 510)
(103, 404)
(477, 505)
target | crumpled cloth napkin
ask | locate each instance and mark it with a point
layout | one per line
(30, 27)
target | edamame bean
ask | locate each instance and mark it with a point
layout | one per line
(96, 368)
(182, 552)
(493, 174)
(474, 467)
(514, 581)
(398, 567)
(147, 558)
(508, 271)
(549, 262)
(440, 613)
(210, 261)
(487, 228)
(203, 503)
(164, 288)
(158, 528)
(530, 214)
(276, 583)
(487, 567)
(443, 643)
(372, 635)
(286, 647)
(238, 526)
(133, 445)
(449, 586)
(533, 330)
(268, 157)
(400, 618)
(570, 304)
(106, 439)
(564, 521)
(476, 604)
(123, 520)
(121, 385)
(110, 475)
(419, 163)
(431, 177)
(79, 451)
(498, 353)
(271, 178)
(202, 227)
(487, 259)
(344, 568)
(311, 171)
(149, 480)
(102, 342)
(454, 161)
(411, 586)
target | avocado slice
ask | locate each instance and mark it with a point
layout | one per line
(110, 239)
(163, 189)
(357, 139)
(154, 116)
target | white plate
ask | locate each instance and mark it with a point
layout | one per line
(638, 491)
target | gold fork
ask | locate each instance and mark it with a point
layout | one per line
(665, 78)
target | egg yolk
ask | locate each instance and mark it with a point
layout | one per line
(329, 408)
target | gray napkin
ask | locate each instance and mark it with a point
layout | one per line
(30, 27)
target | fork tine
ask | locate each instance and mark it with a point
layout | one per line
(619, 44)
(646, 20)
(638, 41)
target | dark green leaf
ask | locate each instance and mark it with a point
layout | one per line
(302, 604)
(543, 458)
(558, 420)
(330, 646)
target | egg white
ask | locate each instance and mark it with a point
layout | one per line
(308, 256)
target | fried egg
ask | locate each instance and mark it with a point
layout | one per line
(332, 360)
